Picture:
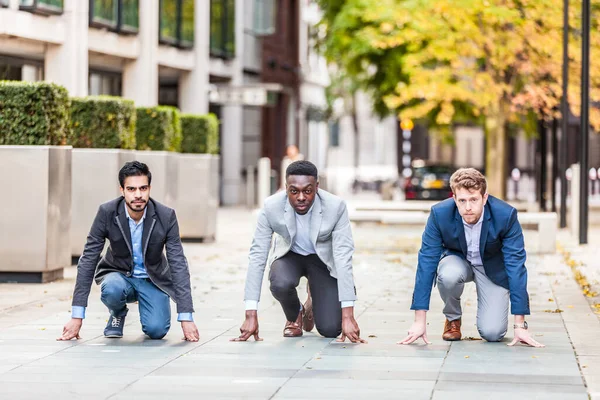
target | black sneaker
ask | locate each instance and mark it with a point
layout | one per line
(114, 328)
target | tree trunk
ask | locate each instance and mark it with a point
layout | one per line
(356, 134)
(495, 161)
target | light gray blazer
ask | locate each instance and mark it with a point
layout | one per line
(329, 230)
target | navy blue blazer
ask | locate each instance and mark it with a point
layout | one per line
(502, 250)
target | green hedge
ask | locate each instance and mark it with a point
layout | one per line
(158, 128)
(33, 113)
(103, 122)
(200, 133)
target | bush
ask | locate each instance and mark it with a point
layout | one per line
(103, 122)
(200, 133)
(33, 113)
(158, 128)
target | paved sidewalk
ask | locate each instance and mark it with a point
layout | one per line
(34, 365)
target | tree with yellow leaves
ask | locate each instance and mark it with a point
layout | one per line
(497, 62)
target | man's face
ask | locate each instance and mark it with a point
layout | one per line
(136, 192)
(301, 191)
(292, 151)
(470, 204)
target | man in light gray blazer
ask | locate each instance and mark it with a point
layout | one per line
(308, 233)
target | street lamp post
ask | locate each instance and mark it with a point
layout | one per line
(585, 121)
(564, 125)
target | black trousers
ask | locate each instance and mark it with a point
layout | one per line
(285, 276)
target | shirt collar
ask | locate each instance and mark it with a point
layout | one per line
(131, 219)
(478, 223)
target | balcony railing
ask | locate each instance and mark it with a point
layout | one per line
(42, 6)
(116, 15)
(177, 23)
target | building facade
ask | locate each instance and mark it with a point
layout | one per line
(167, 52)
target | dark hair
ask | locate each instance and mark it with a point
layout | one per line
(302, 167)
(134, 168)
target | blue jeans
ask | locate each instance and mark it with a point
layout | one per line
(155, 309)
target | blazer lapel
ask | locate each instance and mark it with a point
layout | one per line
(148, 225)
(315, 219)
(123, 224)
(460, 229)
(485, 226)
(289, 216)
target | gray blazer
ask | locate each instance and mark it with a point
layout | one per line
(161, 232)
(329, 230)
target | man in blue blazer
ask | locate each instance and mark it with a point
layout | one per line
(473, 237)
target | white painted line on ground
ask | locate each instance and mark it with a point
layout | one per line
(111, 351)
(97, 344)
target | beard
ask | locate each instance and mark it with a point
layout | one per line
(137, 206)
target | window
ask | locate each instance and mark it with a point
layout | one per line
(19, 69)
(130, 16)
(42, 6)
(116, 15)
(334, 133)
(104, 83)
(265, 12)
(222, 28)
(177, 22)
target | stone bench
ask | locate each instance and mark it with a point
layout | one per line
(546, 223)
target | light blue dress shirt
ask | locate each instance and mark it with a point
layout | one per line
(139, 270)
(473, 237)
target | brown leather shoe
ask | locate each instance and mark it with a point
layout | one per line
(308, 320)
(452, 330)
(293, 329)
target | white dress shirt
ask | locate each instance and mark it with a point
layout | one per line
(302, 245)
(473, 236)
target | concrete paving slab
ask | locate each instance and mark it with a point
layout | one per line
(32, 316)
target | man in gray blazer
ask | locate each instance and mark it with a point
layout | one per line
(309, 234)
(134, 267)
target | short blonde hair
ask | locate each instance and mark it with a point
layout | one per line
(468, 178)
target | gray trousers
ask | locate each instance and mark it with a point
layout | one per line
(492, 300)
(285, 276)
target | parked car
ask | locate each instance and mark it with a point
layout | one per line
(429, 182)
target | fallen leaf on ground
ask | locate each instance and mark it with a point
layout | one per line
(372, 336)
(472, 338)
(466, 356)
(551, 300)
(558, 310)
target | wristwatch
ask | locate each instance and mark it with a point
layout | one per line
(521, 326)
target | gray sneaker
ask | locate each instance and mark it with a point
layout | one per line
(114, 328)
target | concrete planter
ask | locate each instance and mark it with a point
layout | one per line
(164, 167)
(95, 181)
(35, 219)
(198, 196)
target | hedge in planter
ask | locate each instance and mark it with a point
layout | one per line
(33, 113)
(103, 122)
(158, 128)
(200, 133)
